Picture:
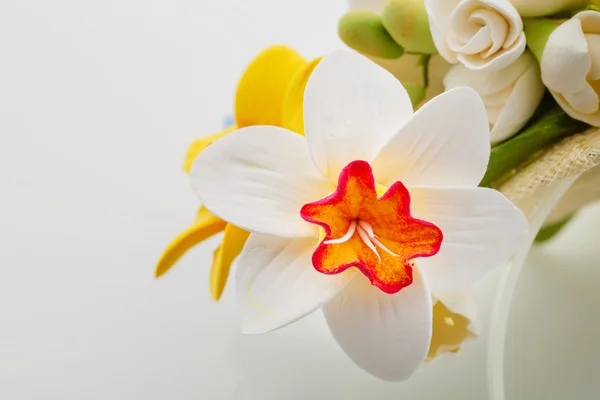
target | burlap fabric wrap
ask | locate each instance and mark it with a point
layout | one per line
(575, 155)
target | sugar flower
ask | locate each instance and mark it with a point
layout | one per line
(481, 34)
(371, 212)
(269, 93)
(569, 55)
(511, 95)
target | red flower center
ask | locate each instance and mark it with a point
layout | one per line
(376, 235)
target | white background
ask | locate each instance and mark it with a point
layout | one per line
(98, 103)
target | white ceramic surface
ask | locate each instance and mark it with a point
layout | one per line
(98, 102)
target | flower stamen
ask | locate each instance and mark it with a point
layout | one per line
(382, 247)
(368, 241)
(367, 227)
(346, 237)
(365, 231)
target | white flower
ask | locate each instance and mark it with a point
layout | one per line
(481, 34)
(539, 8)
(570, 66)
(511, 95)
(366, 216)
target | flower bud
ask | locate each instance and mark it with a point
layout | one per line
(364, 32)
(569, 55)
(407, 23)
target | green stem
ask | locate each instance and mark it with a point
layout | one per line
(425, 64)
(543, 131)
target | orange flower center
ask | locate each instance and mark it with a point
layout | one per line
(376, 235)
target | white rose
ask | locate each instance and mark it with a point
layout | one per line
(538, 8)
(481, 34)
(511, 95)
(570, 65)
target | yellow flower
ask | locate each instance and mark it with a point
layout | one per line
(270, 92)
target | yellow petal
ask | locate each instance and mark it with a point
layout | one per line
(231, 246)
(200, 144)
(450, 330)
(293, 116)
(205, 226)
(261, 90)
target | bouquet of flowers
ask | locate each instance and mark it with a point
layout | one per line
(380, 182)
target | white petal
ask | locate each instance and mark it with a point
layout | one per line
(501, 59)
(565, 65)
(481, 229)
(584, 101)
(592, 119)
(367, 5)
(488, 83)
(430, 149)
(276, 283)
(590, 23)
(511, 15)
(565, 61)
(386, 335)
(258, 178)
(352, 106)
(590, 19)
(594, 54)
(520, 106)
(439, 12)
